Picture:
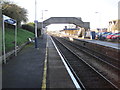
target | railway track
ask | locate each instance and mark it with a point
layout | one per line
(109, 60)
(109, 67)
(104, 65)
(86, 74)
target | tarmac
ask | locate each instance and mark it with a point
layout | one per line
(26, 69)
(36, 68)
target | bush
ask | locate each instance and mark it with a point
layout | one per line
(28, 27)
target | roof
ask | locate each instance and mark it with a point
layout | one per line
(71, 29)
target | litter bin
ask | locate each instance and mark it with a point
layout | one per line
(93, 35)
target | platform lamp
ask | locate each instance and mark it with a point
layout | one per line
(36, 41)
(99, 26)
(42, 17)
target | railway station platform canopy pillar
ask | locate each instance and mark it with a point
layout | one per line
(65, 20)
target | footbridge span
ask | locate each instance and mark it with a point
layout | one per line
(65, 20)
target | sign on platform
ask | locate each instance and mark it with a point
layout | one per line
(36, 21)
(9, 20)
(13, 22)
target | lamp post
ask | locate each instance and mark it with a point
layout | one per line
(36, 41)
(42, 22)
(99, 24)
(0, 45)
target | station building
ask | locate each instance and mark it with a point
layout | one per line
(114, 26)
(76, 31)
(71, 31)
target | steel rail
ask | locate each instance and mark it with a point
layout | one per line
(71, 43)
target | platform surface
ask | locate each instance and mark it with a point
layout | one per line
(103, 43)
(26, 69)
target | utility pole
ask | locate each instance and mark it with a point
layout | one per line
(99, 19)
(1, 31)
(1, 45)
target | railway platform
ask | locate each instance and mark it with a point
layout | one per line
(99, 42)
(26, 69)
(104, 43)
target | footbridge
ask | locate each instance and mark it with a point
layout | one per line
(65, 20)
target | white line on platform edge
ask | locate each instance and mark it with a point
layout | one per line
(68, 69)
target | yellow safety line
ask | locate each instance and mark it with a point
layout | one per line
(45, 71)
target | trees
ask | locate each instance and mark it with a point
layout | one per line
(14, 11)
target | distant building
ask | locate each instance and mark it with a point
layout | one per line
(76, 31)
(70, 31)
(114, 26)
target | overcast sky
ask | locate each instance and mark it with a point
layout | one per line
(107, 10)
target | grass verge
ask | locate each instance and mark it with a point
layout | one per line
(22, 37)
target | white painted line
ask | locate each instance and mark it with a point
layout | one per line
(68, 69)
